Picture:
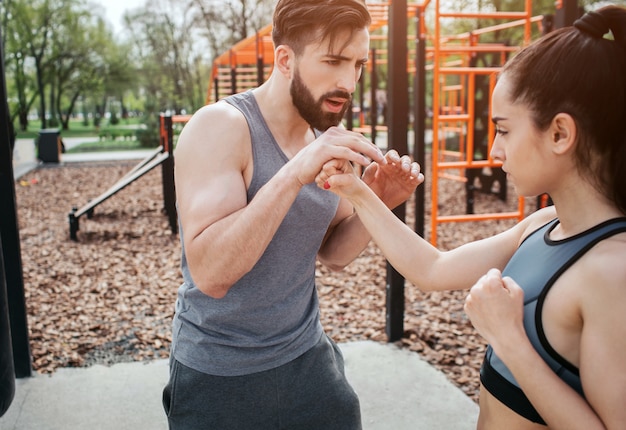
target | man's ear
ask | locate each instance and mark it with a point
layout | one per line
(563, 133)
(284, 59)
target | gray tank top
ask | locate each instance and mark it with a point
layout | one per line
(271, 315)
(535, 266)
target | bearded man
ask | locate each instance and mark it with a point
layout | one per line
(248, 349)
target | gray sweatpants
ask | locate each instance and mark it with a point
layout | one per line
(309, 393)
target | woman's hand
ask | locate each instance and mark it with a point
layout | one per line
(495, 305)
(393, 182)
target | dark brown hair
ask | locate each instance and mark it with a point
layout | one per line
(576, 70)
(298, 23)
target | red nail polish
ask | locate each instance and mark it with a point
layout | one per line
(326, 185)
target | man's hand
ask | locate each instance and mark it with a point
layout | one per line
(335, 143)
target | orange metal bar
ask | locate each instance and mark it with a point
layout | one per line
(482, 48)
(163, 134)
(491, 127)
(475, 70)
(469, 154)
(527, 30)
(484, 15)
(481, 217)
(181, 118)
(467, 164)
(435, 128)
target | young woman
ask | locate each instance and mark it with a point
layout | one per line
(549, 295)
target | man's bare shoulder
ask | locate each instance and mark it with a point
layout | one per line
(215, 129)
(215, 125)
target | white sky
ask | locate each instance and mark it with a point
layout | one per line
(115, 10)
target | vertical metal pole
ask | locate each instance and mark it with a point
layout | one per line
(260, 62)
(398, 105)
(373, 101)
(362, 101)
(167, 174)
(9, 236)
(233, 80)
(233, 72)
(567, 11)
(260, 69)
(419, 126)
(349, 117)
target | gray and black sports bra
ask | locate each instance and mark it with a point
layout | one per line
(535, 266)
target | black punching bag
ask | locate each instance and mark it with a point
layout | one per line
(7, 367)
(7, 371)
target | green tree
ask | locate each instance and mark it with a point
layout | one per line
(21, 84)
(225, 23)
(169, 51)
(69, 59)
(59, 48)
(38, 17)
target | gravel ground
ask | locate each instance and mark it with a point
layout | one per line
(109, 297)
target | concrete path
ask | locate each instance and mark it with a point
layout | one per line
(25, 155)
(398, 391)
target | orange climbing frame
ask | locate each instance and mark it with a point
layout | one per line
(249, 62)
(454, 82)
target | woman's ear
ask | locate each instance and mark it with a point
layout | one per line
(284, 58)
(563, 133)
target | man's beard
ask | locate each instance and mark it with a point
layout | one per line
(311, 110)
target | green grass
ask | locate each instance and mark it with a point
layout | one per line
(119, 137)
(106, 145)
(78, 129)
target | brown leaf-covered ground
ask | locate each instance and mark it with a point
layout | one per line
(109, 297)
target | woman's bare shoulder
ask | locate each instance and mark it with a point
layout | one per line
(533, 222)
(605, 265)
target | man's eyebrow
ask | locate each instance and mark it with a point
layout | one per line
(344, 58)
(338, 57)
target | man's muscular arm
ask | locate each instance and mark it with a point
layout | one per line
(224, 236)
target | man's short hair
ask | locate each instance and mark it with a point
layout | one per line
(298, 23)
